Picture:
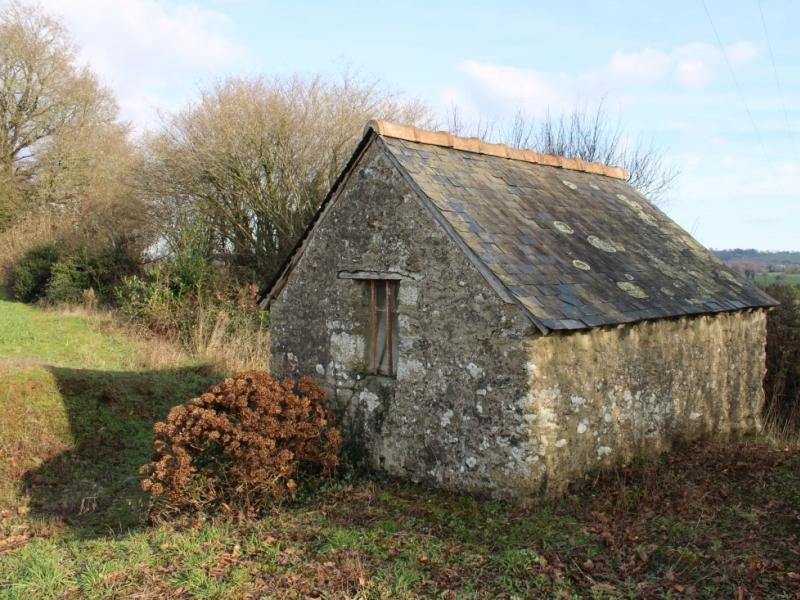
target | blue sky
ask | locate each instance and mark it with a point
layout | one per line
(659, 66)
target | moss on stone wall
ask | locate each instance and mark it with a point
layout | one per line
(608, 395)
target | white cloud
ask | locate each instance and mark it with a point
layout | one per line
(692, 73)
(454, 99)
(742, 52)
(513, 88)
(151, 53)
(500, 90)
(691, 65)
(646, 66)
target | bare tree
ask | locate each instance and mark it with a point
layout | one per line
(62, 146)
(251, 161)
(457, 124)
(589, 135)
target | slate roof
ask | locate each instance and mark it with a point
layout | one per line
(576, 249)
(568, 241)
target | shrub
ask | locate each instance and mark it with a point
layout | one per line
(190, 268)
(782, 383)
(38, 228)
(33, 270)
(242, 444)
(221, 323)
(69, 276)
(149, 299)
(60, 273)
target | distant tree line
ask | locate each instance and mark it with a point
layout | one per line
(758, 256)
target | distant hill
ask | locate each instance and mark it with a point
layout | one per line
(785, 259)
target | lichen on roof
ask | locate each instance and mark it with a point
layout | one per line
(574, 245)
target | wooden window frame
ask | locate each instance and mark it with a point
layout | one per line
(374, 363)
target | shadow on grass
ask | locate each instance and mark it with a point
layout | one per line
(94, 487)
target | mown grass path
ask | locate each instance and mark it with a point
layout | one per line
(78, 406)
(31, 334)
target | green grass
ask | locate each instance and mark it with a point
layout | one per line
(49, 337)
(770, 278)
(78, 408)
(78, 411)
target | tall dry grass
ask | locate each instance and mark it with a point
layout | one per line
(215, 341)
(226, 344)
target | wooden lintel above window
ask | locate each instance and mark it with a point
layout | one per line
(383, 275)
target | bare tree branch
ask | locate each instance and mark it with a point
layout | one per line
(591, 136)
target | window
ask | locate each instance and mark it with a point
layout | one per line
(383, 326)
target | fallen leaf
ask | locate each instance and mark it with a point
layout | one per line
(12, 541)
(604, 587)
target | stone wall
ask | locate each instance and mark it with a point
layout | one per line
(453, 416)
(608, 395)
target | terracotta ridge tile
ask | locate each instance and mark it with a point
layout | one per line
(473, 144)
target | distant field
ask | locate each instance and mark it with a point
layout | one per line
(767, 278)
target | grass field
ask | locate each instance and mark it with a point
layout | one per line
(79, 400)
(769, 278)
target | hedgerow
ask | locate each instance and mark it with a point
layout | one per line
(782, 383)
(32, 271)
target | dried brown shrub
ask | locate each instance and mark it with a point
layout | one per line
(239, 446)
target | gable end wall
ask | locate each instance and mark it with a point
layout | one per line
(453, 416)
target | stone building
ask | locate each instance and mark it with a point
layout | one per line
(501, 321)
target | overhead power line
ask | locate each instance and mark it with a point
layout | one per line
(774, 67)
(735, 81)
